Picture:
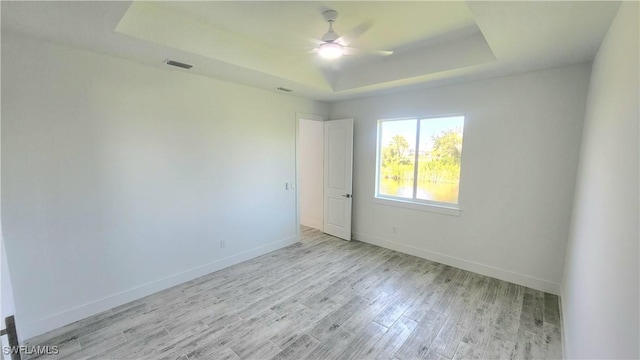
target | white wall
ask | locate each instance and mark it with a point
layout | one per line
(600, 293)
(311, 143)
(7, 306)
(521, 145)
(119, 180)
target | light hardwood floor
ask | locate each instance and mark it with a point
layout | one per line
(324, 298)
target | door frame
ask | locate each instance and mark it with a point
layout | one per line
(303, 116)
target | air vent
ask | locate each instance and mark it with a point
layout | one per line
(284, 89)
(179, 64)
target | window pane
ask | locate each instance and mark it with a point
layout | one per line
(439, 159)
(397, 156)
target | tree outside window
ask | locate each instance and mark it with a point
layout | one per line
(420, 159)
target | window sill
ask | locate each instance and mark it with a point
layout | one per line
(446, 210)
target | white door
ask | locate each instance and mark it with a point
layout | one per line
(338, 169)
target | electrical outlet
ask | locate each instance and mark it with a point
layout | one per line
(223, 243)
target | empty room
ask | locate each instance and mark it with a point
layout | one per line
(320, 180)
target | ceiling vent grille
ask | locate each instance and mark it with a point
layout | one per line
(179, 64)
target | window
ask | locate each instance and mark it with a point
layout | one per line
(419, 160)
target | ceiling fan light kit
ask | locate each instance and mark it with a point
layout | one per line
(330, 50)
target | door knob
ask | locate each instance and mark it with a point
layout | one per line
(347, 195)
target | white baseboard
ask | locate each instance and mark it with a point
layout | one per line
(311, 223)
(502, 274)
(562, 324)
(69, 316)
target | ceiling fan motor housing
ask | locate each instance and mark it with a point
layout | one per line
(330, 15)
(330, 36)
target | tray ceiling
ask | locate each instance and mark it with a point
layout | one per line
(267, 44)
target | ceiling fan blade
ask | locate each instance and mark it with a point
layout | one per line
(354, 51)
(355, 33)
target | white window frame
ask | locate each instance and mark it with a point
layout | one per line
(414, 203)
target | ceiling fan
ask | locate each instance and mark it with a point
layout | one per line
(333, 46)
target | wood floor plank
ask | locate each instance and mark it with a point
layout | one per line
(467, 352)
(279, 296)
(532, 316)
(330, 325)
(105, 338)
(135, 347)
(361, 347)
(528, 346)
(333, 347)
(362, 316)
(551, 309)
(394, 338)
(288, 304)
(392, 312)
(552, 342)
(452, 298)
(479, 331)
(509, 308)
(491, 294)
(219, 333)
(317, 301)
(301, 321)
(254, 336)
(427, 298)
(255, 350)
(419, 342)
(324, 298)
(213, 353)
(498, 348)
(449, 337)
(298, 349)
